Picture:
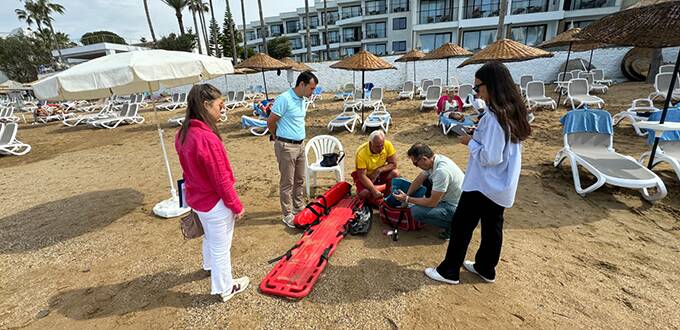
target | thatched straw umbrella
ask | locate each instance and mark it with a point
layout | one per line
(363, 61)
(263, 62)
(243, 71)
(569, 38)
(295, 65)
(447, 51)
(412, 56)
(506, 50)
(653, 26)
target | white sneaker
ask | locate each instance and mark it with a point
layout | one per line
(433, 274)
(288, 220)
(240, 285)
(470, 267)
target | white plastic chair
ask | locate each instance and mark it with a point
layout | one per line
(323, 144)
(536, 95)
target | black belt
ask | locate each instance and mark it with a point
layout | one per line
(288, 140)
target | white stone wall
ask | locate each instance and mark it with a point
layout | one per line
(333, 79)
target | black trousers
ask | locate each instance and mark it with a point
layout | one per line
(472, 207)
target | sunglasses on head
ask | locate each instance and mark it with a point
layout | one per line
(476, 87)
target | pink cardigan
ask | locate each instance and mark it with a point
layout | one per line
(444, 98)
(207, 173)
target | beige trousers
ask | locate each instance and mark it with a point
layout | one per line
(291, 159)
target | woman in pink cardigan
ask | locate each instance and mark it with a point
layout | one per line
(209, 185)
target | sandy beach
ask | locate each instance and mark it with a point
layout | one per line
(80, 247)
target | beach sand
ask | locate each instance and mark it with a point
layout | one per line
(80, 248)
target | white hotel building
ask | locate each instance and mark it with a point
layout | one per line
(386, 27)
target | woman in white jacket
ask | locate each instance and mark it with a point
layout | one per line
(491, 176)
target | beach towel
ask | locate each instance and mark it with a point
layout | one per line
(673, 115)
(587, 121)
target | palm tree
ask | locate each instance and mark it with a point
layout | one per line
(198, 39)
(243, 15)
(199, 7)
(40, 12)
(231, 33)
(178, 6)
(308, 38)
(148, 18)
(500, 33)
(262, 28)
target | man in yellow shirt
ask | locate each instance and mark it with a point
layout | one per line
(375, 167)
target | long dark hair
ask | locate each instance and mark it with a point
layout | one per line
(505, 100)
(195, 109)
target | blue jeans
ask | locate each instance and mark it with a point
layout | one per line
(439, 215)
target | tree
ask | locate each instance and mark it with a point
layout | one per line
(501, 19)
(263, 29)
(62, 39)
(192, 8)
(148, 19)
(215, 35)
(96, 37)
(227, 39)
(20, 57)
(178, 6)
(243, 15)
(308, 38)
(280, 47)
(40, 12)
(185, 42)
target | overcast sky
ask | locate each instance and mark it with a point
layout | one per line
(127, 18)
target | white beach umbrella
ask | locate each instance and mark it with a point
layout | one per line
(129, 73)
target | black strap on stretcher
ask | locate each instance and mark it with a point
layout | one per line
(288, 254)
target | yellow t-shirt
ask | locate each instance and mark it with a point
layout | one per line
(365, 159)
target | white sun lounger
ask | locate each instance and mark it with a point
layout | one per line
(662, 82)
(523, 81)
(346, 93)
(431, 98)
(7, 115)
(535, 92)
(638, 106)
(347, 119)
(378, 118)
(423, 90)
(177, 102)
(588, 142)
(375, 100)
(9, 145)
(128, 115)
(407, 91)
(238, 101)
(105, 112)
(598, 75)
(257, 126)
(594, 87)
(466, 94)
(562, 82)
(668, 150)
(578, 92)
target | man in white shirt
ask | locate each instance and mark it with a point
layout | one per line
(446, 179)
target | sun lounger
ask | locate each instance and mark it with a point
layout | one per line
(347, 119)
(668, 68)
(9, 145)
(7, 115)
(375, 100)
(105, 112)
(127, 115)
(661, 84)
(588, 143)
(598, 76)
(257, 126)
(562, 82)
(523, 81)
(466, 94)
(407, 91)
(179, 101)
(668, 150)
(638, 106)
(346, 93)
(594, 87)
(578, 92)
(432, 97)
(423, 91)
(238, 101)
(449, 124)
(316, 95)
(378, 118)
(535, 93)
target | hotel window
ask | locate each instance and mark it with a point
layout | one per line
(481, 8)
(399, 6)
(375, 30)
(435, 11)
(399, 23)
(335, 54)
(431, 41)
(376, 7)
(588, 4)
(276, 30)
(333, 37)
(529, 35)
(315, 39)
(351, 34)
(377, 49)
(292, 26)
(398, 46)
(296, 43)
(579, 24)
(250, 35)
(351, 51)
(349, 12)
(332, 17)
(528, 6)
(313, 21)
(474, 40)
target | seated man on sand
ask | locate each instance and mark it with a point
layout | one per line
(376, 166)
(446, 180)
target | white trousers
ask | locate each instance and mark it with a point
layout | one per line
(218, 225)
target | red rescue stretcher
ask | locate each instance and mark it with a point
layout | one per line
(316, 209)
(298, 269)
